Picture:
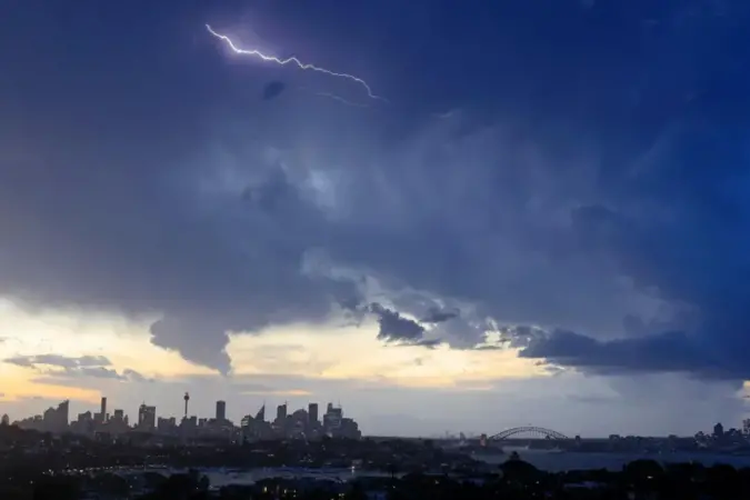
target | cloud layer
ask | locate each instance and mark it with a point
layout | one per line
(598, 193)
(60, 370)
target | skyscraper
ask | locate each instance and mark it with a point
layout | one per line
(718, 430)
(221, 411)
(147, 418)
(103, 410)
(56, 419)
(281, 412)
(62, 414)
(332, 418)
(312, 410)
(261, 415)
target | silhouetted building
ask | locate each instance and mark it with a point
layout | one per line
(103, 410)
(332, 419)
(298, 423)
(167, 425)
(312, 412)
(84, 423)
(5, 420)
(56, 419)
(221, 411)
(256, 428)
(147, 418)
(189, 423)
(281, 413)
(718, 430)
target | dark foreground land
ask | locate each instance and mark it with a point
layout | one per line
(34, 466)
(514, 479)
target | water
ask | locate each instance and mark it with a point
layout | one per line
(220, 478)
(562, 461)
(544, 460)
(224, 477)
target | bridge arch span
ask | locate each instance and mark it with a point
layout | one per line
(536, 432)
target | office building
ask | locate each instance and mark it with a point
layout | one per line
(221, 411)
(147, 418)
(332, 419)
(312, 412)
(281, 413)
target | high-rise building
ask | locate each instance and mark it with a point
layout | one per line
(221, 411)
(166, 425)
(332, 419)
(103, 410)
(147, 418)
(746, 427)
(84, 417)
(281, 414)
(312, 412)
(718, 430)
(5, 420)
(56, 419)
(63, 409)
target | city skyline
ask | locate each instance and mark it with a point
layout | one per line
(302, 423)
(447, 215)
(43, 421)
(58, 420)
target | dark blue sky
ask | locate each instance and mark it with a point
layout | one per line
(612, 66)
(569, 176)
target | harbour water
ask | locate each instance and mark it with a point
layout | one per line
(545, 460)
(561, 461)
(222, 477)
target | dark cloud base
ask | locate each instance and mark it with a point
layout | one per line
(596, 182)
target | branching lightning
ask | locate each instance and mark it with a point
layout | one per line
(340, 99)
(296, 62)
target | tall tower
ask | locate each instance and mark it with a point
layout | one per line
(103, 410)
(312, 411)
(281, 413)
(186, 398)
(221, 411)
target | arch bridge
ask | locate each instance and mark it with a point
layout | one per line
(529, 432)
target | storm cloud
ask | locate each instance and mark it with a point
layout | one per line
(585, 201)
(435, 315)
(396, 328)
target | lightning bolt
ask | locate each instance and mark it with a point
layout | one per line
(341, 100)
(296, 62)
